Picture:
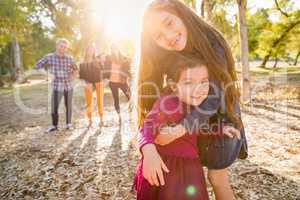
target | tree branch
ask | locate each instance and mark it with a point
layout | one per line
(280, 10)
(278, 40)
(52, 9)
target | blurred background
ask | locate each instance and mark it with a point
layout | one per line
(29, 28)
(264, 36)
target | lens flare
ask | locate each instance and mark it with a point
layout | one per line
(191, 190)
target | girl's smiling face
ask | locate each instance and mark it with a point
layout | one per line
(193, 85)
(168, 31)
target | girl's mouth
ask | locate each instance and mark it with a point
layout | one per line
(197, 97)
(177, 39)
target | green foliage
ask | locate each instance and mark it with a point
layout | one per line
(74, 20)
(19, 18)
(259, 26)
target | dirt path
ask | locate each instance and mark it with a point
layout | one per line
(98, 163)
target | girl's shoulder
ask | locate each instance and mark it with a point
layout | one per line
(220, 51)
(167, 108)
(168, 103)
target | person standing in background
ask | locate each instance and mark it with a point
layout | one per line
(62, 66)
(119, 72)
(90, 72)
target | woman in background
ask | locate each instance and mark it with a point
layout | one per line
(90, 71)
(119, 67)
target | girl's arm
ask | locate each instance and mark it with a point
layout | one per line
(149, 127)
(164, 111)
(153, 165)
(195, 121)
(168, 134)
(227, 130)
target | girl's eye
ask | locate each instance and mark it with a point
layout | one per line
(187, 82)
(204, 84)
(170, 23)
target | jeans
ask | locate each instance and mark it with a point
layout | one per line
(55, 101)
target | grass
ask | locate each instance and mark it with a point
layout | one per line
(6, 90)
(254, 71)
(268, 71)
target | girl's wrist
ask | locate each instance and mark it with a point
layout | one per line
(181, 131)
(148, 149)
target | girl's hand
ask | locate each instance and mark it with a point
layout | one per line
(231, 132)
(168, 134)
(153, 165)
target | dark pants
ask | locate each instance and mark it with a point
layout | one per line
(115, 92)
(56, 98)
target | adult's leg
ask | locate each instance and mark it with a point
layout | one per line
(219, 180)
(115, 92)
(55, 101)
(100, 93)
(68, 96)
(126, 90)
(88, 92)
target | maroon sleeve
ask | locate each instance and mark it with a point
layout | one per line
(149, 127)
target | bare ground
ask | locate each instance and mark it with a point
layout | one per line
(98, 163)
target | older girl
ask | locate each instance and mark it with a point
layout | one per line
(169, 26)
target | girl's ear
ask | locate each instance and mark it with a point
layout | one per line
(172, 85)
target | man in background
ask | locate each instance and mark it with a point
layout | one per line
(62, 67)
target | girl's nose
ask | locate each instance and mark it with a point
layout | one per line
(169, 36)
(199, 88)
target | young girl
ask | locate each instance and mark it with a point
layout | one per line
(169, 26)
(188, 86)
(90, 71)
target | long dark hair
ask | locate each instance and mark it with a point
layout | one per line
(182, 63)
(117, 56)
(85, 57)
(154, 59)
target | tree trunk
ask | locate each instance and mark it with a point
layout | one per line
(207, 7)
(1, 81)
(197, 4)
(276, 61)
(202, 8)
(297, 57)
(265, 60)
(17, 68)
(194, 5)
(244, 51)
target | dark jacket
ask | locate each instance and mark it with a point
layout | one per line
(91, 72)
